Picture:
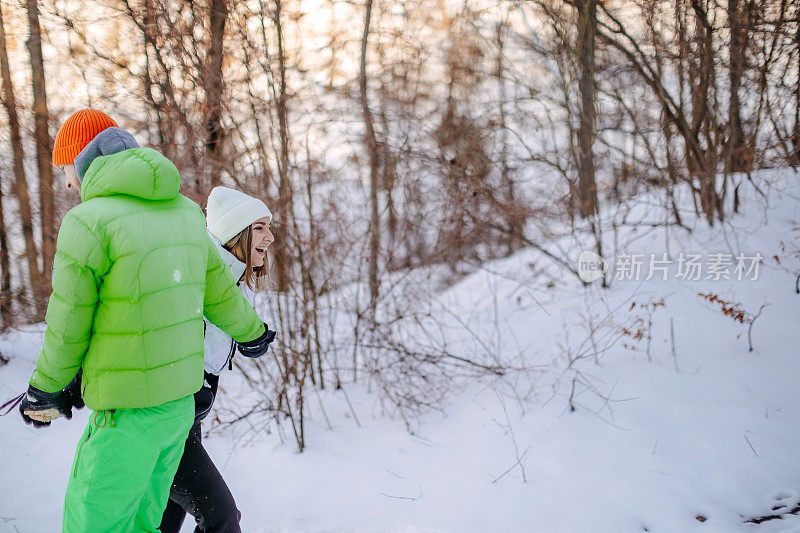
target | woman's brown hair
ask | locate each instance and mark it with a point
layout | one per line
(241, 247)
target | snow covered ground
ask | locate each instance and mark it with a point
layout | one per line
(702, 437)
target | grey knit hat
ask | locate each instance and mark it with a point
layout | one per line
(107, 142)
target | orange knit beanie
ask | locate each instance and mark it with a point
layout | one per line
(77, 132)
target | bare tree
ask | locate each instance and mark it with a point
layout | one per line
(163, 131)
(703, 83)
(696, 124)
(587, 187)
(374, 165)
(213, 85)
(795, 155)
(21, 188)
(6, 318)
(739, 155)
(44, 152)
(285, 199)
(514, 213)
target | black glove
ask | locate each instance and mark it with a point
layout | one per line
(204, 398)
(259, 346)
(73, 391)
(63, 401)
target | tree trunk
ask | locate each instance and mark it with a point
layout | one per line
(704, 166)
(214, 88)
(374, 162)
(515, 220)
(44, 154)
(795, 156)
(738, 156)
(285, 193)
(388, 161)
(5, 276)
(587, 187)
(21, 182)
(164, 142)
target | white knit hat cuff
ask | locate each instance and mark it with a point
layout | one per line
(240, 217)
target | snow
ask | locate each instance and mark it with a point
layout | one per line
(651, 445)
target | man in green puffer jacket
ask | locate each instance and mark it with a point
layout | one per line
(134, 273)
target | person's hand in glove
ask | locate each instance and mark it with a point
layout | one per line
(259, 346)
(73, 391)
(40, 408)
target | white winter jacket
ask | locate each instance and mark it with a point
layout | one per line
(219, 346)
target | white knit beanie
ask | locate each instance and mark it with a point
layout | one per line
(229, 211)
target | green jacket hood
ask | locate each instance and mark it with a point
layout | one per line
(140, 172)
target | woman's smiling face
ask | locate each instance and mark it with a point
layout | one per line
(261, 239)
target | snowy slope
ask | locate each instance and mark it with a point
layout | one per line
(711, 432)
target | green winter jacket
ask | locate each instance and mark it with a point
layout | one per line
(134, 273)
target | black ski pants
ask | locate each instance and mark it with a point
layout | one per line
(198, 489)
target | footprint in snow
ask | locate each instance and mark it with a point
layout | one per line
(784, 501)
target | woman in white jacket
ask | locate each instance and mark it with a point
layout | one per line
(239, 225)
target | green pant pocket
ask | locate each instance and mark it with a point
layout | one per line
(84, 439)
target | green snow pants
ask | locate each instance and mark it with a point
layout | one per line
(124, 466)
